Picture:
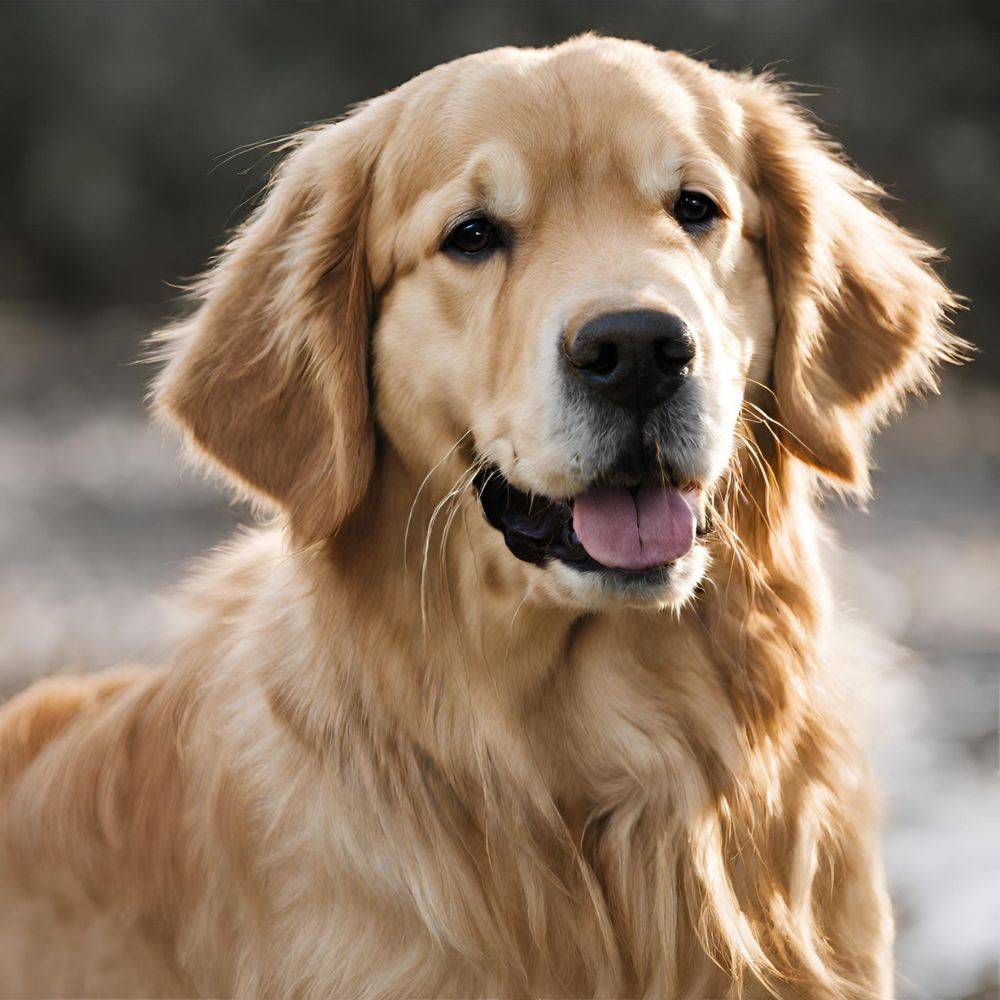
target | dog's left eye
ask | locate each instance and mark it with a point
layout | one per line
(473, 237)
(694, 210)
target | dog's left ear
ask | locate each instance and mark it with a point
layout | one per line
(269, 377)
(862, 317)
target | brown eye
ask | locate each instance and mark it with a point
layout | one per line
(473, 237)
(694, 210)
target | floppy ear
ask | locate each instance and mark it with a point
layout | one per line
(862, 317)
(268, 379)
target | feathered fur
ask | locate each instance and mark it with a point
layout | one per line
(374, 769)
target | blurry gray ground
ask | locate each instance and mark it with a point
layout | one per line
(97, 521)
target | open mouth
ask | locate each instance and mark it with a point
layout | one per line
(635, 531)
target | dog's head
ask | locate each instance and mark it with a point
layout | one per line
(572, 267)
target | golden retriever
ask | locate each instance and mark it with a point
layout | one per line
(540, 361)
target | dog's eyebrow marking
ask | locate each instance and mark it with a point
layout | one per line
(666, 168)
(500, 180)
(665, 171)
(657, 145)
(678, 153)
(658, 170)
(495, 180)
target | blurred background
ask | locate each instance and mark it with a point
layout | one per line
(129, 132)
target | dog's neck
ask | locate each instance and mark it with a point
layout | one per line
(440, 620)
(453, 624)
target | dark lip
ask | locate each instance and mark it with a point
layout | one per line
(538, 529)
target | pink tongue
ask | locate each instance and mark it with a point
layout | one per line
(654, 529)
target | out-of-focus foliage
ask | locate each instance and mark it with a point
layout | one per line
(118, 118)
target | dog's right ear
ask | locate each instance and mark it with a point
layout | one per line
(268, 379)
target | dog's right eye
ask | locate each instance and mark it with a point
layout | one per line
(473, 237)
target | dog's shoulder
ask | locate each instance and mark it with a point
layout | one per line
(35, 718)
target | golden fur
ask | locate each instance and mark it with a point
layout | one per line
(388, 759)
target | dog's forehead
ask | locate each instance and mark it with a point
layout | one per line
(516, 120)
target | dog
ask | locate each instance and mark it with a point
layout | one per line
(526, 684)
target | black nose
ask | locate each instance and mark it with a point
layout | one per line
(637, 359)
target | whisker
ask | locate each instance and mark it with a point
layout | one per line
(457, 494)
(409, 516)
(766, 473)
(470, 475)
(774, 420)
(427, 544)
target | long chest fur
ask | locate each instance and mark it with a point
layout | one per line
(619, 836)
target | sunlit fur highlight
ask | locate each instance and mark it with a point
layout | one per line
(376, 764)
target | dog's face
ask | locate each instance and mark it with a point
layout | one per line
(580, 288)
(563, 271)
